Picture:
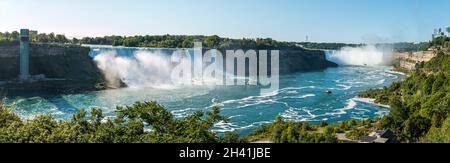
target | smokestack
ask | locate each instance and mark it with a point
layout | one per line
(24, 54)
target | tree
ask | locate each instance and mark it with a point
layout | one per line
(14, 35)
(398, 115)
(212, 41)
(323, 124)
(416, 127)
(61, 39)
(438, 134)
(232, 137)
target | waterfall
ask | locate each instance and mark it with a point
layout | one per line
(136, 67)
(369, 55)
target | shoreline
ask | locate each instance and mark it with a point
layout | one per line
(395, 72)
(370, 101)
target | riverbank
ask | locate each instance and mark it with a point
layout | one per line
(371, 101)
(420, 102)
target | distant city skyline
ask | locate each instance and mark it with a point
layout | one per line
(347, 21)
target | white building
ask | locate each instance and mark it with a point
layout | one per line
(448, 31)
(438, 32)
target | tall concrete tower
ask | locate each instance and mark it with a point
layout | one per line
(24, 54)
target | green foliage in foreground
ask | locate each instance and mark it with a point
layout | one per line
(130, 124)
(421, 103)
(292, 132)
(127, 127)
(438, 134)
(303, 132)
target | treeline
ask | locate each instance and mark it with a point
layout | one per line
(441, 43)
(179, 41)
(161, 41)
(406, 46)
(399, 47)
(327, 46)
(7, 36)
(420, 103)
(39, 38)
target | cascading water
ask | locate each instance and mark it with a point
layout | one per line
(369, 55)
(136, 67)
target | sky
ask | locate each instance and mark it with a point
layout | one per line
(348, 21)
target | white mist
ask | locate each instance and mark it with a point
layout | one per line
(369, 55)
(144, 69)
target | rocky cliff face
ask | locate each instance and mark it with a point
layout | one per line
(69, 64)
(303, 60)
(410, 61)
(300, 60)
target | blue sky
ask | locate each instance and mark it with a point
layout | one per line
(350, 21)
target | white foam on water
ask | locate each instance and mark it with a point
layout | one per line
(291, 92)
(40, 106)
(344, 87)
(264, 99)
(222, 126)
(296, 115)
(381, 81)
(259, 102)
(235, 116)
(184, 112)
(297, 97)
(351, 104)
(251, 99)
(396, 73)
(307, 95)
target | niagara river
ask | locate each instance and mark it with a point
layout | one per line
(302, 96)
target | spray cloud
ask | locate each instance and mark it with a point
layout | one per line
(369, 55)
(144, 69)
